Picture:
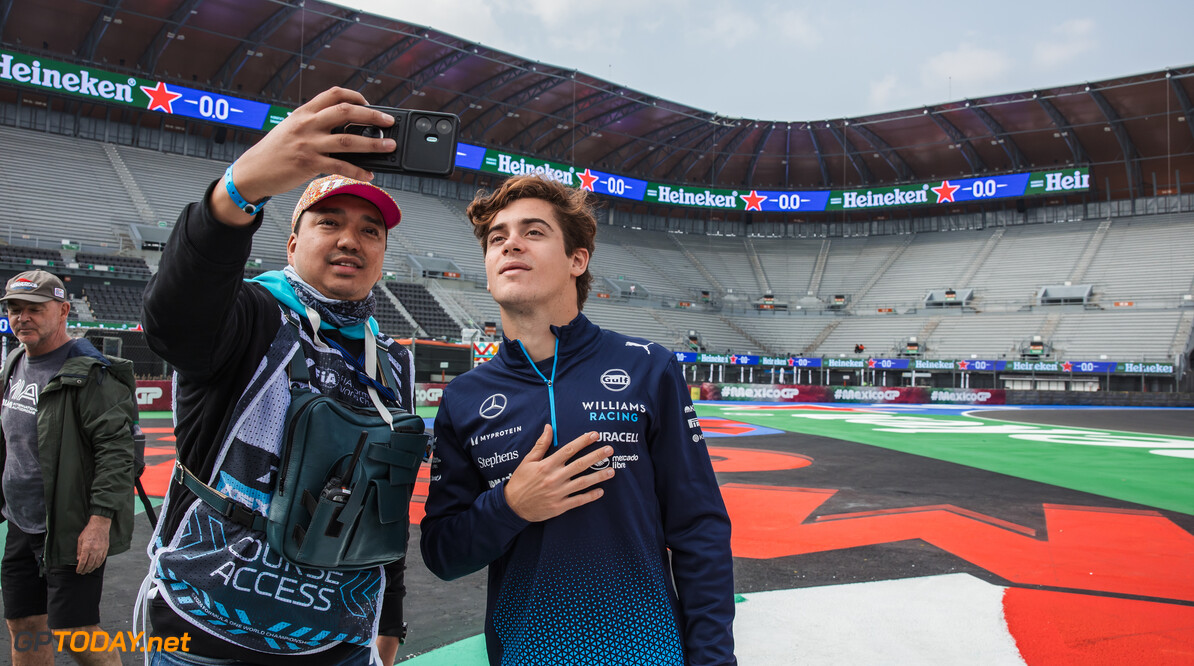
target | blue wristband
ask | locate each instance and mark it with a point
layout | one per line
(251, 209)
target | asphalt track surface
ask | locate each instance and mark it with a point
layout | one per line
(851, 553)
(1179, 422)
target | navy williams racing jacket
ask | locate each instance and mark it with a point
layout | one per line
(593, 585)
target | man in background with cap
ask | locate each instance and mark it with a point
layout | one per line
(213, 577)
(66, 448)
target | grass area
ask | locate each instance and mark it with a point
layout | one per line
(468, 652)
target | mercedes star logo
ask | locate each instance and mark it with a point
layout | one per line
(493, 406)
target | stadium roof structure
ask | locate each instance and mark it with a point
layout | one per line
(1134, 133)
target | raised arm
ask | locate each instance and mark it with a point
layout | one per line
(193, 315)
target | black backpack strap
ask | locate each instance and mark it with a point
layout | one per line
(387, 371)
(149, 512)
(297, 370)
(138, 470)
(298, 367)
(221, 503)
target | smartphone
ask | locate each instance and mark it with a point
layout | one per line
(426, 142)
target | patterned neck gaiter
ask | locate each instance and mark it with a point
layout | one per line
(341, 314)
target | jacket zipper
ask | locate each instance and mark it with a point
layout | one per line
(76, 380)
(551, 391)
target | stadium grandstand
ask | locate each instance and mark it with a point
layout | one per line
(1045, 232)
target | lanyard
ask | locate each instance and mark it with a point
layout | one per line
(385, 391)
(365, 374)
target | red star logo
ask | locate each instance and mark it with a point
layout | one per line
(945, 192)
(160, 97)
(754, 201)
(733, 359)
(1067, 367)
(870, 363)
(791, 361)
(587, 179)
(963, 365)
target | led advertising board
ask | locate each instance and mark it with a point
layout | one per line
(80, 81)
(600, 182)
(97, 85)
(936, 193)
(877, 363)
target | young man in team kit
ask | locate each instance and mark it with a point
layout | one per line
(573, 464)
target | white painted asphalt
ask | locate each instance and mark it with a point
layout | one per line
(935, 620)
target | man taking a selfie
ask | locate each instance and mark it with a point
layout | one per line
(213, 575)
(606, 537)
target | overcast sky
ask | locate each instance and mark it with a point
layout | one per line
(772, 60)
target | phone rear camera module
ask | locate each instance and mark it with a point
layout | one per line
(425, 142)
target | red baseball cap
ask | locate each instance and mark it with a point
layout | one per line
(322, 188)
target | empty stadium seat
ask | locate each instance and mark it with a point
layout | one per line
(115, 303)
(1138, 265)
(425, 309)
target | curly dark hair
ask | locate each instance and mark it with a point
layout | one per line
(573, 210)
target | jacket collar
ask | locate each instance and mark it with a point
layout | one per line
(84, 347)
(575, 336)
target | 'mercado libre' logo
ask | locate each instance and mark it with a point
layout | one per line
(493, 406)
(615, 379)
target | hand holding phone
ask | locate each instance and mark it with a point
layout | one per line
(425, 142)
(300, 148)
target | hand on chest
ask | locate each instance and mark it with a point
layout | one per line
(509, 421)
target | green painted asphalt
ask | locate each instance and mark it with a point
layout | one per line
(468, 652)
(1104, 462)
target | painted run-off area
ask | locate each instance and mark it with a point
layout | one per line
(849, 551)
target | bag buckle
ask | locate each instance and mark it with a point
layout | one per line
(240, 515)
